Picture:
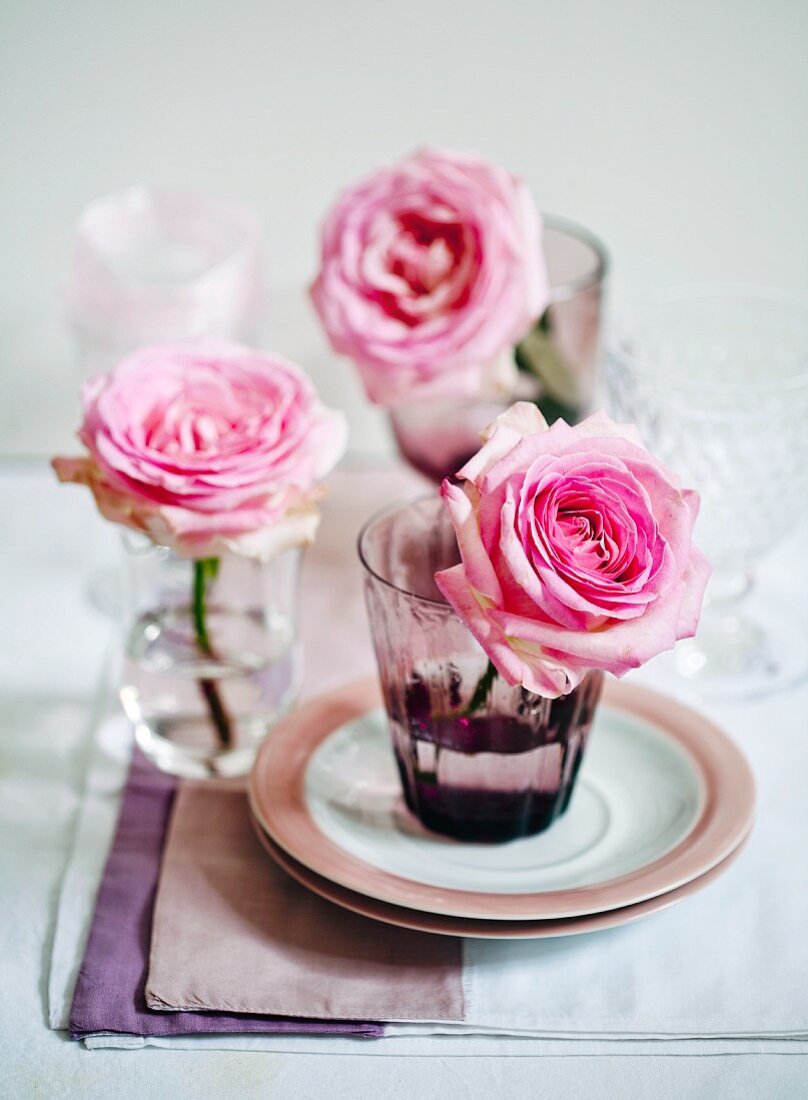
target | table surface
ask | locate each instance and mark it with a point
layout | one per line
(52, 652)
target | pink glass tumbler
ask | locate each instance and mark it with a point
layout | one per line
(502, 770)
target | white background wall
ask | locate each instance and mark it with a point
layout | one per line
(675, 130)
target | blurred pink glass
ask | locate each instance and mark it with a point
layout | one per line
(436, 437)
(152, 266)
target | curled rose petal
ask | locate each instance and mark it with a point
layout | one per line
(523, 417)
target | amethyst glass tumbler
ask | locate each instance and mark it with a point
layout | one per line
(503, 770)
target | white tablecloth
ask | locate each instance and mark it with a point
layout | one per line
(53, 647)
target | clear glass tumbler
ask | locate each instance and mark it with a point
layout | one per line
(153, 266)
(493, 772)
(211, 656)
(558, 361)
(716, 378)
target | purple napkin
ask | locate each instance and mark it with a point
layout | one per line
(109, 993)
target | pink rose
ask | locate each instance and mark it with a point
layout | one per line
(207, 449)
(576, 551)
(430, 270)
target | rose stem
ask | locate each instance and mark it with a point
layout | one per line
(219, 716)
(482, 691)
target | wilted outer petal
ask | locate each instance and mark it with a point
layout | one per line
(523, 417)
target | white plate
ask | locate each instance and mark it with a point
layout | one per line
(638, 795)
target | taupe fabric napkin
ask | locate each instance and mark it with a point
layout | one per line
(233, 933)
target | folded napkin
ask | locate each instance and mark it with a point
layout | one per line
(109, 991)
(697, 971)
(232, 932)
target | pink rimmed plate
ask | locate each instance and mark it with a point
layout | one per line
(662, 798)
(484, 929)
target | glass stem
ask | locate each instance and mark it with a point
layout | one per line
(203, 569)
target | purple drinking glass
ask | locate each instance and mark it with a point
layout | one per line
(502, 770)
(557, 362)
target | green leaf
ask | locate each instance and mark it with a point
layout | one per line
(482, 690)
(539, 355)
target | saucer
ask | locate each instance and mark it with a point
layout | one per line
(663, 797)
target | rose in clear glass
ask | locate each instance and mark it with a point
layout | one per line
(214, 453)
(207, 449)
(431, 271)
(576, 551)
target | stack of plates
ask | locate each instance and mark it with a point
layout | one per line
(663, 804)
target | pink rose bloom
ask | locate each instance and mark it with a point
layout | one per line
(576, 551)
(207, 449)
(431, 269)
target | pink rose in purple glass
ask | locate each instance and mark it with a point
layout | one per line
(431, 272)
(576, 551)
